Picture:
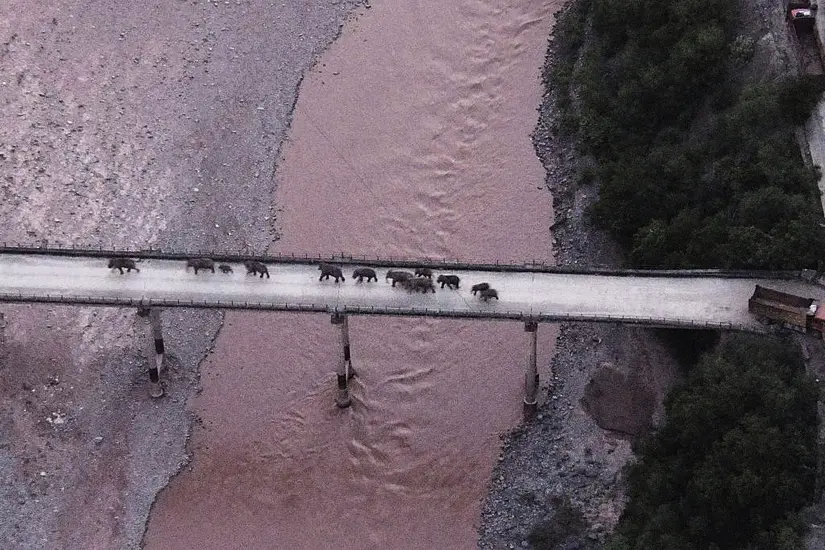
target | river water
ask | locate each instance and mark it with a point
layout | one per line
(410, 138)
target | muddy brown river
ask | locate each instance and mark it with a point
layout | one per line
(411, 137)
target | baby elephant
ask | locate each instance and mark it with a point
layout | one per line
(120, 263)
(201, 263)
(225, 268)
(398, 276)
(421, 284)
(488, 293)
(450, 280)
(480, 287)
(328, 270)
(362, 272)
(256, 267)
(424, 272)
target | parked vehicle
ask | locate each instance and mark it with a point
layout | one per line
(801, 16)
(790, 311)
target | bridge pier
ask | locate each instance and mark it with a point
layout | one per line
(152, 315)
(344, 370)
(531, 376)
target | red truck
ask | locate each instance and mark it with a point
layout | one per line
(802, 20)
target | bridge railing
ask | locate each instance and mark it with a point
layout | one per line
(377, 261)
(493, 315)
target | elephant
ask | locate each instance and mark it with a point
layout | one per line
(449, 280)
(424, 272)
(362, 272)
(480, 287)
(398, 276)
(488, 293)
(255, 268)
(121, 263)
(201, 263)
(329, 270)
(418, 284)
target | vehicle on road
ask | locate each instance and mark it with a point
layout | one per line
(801, 16)
(788, 311)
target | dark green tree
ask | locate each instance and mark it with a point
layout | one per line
(736, 458)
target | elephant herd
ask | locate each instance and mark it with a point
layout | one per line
(421, 280)
(205, 264)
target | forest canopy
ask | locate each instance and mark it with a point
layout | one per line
(695, 171)
(734, 459)
(699, 168)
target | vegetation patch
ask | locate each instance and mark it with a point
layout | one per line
(735, 459)
(698, 169)
(694, 170)
(566, 522)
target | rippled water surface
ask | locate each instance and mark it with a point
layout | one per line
(410, 138)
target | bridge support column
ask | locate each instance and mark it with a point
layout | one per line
(152, 316)
(531, 376)
(344, 370)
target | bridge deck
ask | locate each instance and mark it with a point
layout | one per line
(651, 300)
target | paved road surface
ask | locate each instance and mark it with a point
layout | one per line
(654, 300)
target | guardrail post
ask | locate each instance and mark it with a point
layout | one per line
(152, 315)
(344, 370)
(531, 376)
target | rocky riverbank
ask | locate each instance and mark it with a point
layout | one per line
(559, 475)
(558, 481)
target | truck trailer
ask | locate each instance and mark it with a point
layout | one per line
(797, 313)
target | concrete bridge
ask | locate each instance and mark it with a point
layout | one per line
(530, 293)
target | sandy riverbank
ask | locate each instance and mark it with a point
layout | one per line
(128, 125)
